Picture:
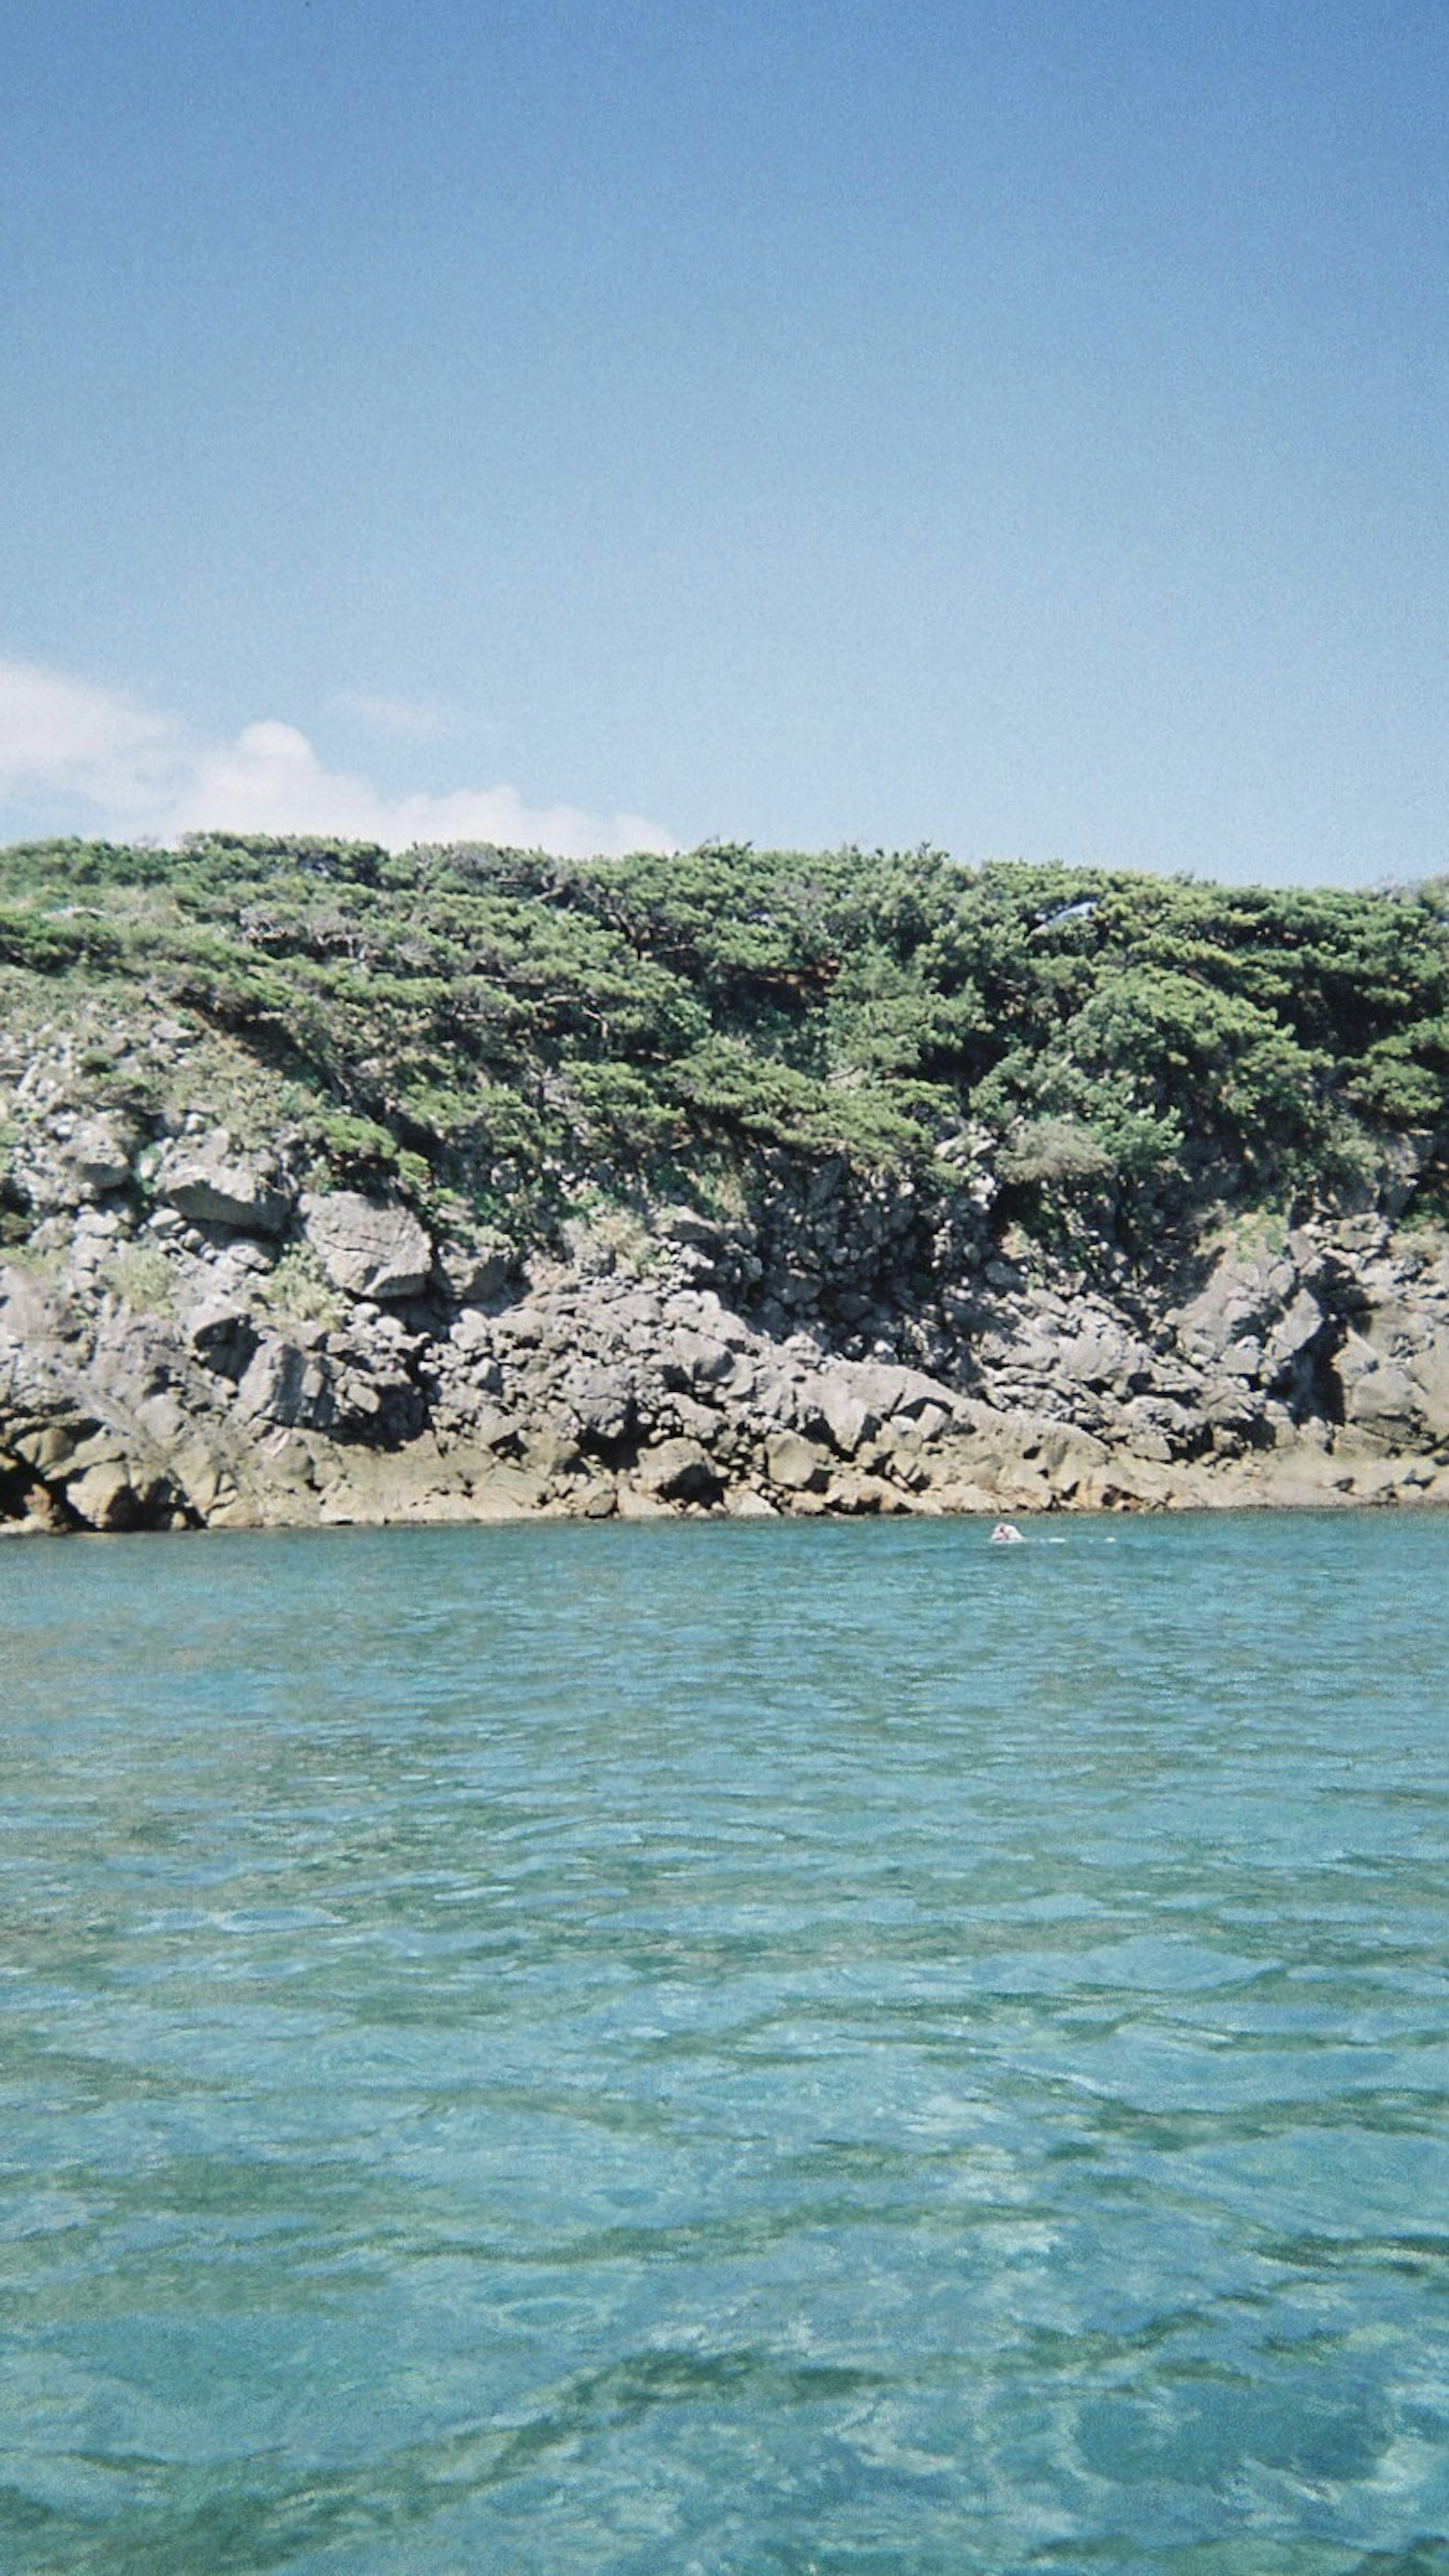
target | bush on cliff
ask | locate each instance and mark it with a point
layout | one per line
(511, 1027)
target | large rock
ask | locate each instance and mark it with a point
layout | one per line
(886, 1388)
(118, 1494)
(1298, 1329)
(847, 1416)
(1430, 1371)
(1400, 1395)
(224, 1334)
(696, 1359)
(472, 1274)
(795, 1465)
(367, 1250)
(602, 1400)
(1249, 1298)
(857, 1494)
(284, 1384)
(213, 1183)
(99, 1156)
(685, 1225)
(678, 1471)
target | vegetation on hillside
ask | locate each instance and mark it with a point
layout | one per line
(511, 1028)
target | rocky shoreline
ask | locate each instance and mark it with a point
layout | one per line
(191, 1337)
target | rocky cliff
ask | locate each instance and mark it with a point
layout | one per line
(244, 1281)
(189, 1337)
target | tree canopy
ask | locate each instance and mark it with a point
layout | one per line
(496, 1022)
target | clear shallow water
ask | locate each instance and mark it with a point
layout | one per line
(706, 2048)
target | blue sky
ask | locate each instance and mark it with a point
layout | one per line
(1018, 427)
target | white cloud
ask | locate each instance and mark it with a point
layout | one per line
(93, 759)
(61, 735)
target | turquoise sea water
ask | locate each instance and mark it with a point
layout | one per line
(703, 2047)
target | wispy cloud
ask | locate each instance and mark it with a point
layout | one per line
(63, 736)
(75, 756)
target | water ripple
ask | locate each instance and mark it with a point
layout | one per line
(802, 2052)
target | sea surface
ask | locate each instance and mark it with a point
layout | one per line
(832, 2049)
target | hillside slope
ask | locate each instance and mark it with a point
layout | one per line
(342, 1184)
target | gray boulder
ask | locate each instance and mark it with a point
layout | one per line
(678, 1471)
(1300, 1325)
(1430, 1371)
(469, 1334)
(886, 1388)
(795, 1464)
(223, 1335)
(471, 1274)
(1248, 1298)
(98, 1156)
(696, 1359)
(842, 1408)
(1400, 1394)
(104, 1497)
(284, 1384)
(367, 1250)
(699, 1244)
(601, 1400)
(213, 1183)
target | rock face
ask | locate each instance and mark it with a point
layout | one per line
(215, 1185)
(190, 1336)
(367, 1251)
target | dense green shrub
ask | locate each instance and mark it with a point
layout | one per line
(500, 1023)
